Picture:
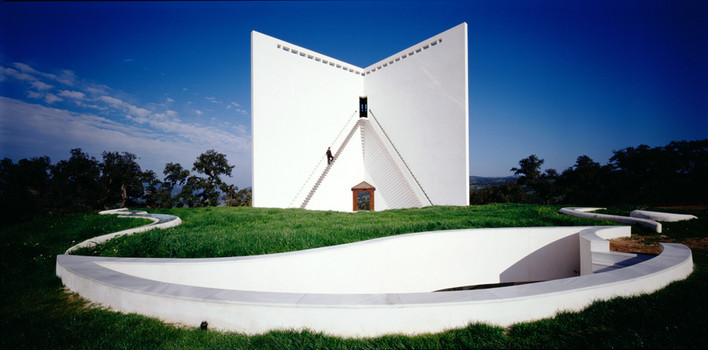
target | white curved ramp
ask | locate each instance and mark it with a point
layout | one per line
(382, 286)
(661, 216)
(584, 212)
(158, 221)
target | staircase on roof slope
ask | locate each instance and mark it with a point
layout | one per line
(397, 184)
(321, 161)
(392, 185)
(329, 166)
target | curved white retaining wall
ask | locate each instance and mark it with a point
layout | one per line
(587, 213)
(381, 286)
(659, 216)
(158, 221)
(418, 262)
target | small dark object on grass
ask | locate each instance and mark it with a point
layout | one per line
(204, 325)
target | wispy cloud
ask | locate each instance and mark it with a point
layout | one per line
(28, 73)
(67, 77)
(13, 73)
(72, 94)
(52, 131)
(40, 85)
(107, 121)
(237, 107)
(51, 98)
(46, 96)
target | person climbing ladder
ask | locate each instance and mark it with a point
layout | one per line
(329, 156)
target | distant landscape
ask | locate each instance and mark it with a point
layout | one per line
(479, 182)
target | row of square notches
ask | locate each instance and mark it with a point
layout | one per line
(410, 53)
(351, 70)
(318, 59)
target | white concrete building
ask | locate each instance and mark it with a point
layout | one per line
(399, 125)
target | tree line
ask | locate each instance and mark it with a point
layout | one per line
(673, 174)
(36, 187)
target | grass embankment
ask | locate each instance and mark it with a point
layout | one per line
(217, 232)
(37, 313)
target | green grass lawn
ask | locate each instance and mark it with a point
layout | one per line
(217, 232)
(38, 313)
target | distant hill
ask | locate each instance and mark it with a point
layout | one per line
(478, 182)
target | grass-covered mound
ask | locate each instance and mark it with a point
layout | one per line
(38, 313)
(219, 232)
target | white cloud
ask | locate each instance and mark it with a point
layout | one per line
(97, 89)
(117, 103)
(25, 68)
(24, 72)
(145, 129)
(138, 111)
(51, 98)
(47, 97)
(72, 94)
(238, 108)
(67, 77)
(38, 85)
(133, 111)
(13, 73)
(37, 133)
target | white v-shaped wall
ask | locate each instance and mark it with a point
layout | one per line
(412, 146)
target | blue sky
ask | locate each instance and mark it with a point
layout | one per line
(170, 80)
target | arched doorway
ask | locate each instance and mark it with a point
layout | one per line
(363, 197)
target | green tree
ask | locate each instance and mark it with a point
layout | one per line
(158, 194)
(121, 177)
(529, 169)
(240, 198)
(584, 183)
(540, 184)
(510, 192)
(76, 185)
(178, 177)
(213, 165)
(25, 188)
(545, 185)
(674, 173)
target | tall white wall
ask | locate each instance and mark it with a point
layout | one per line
(301, 101)
(420, 97)
(299, 105)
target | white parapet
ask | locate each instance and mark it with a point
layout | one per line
(660, 216)
(382, 286)
(588, 214)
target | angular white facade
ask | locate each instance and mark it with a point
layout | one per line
(412, 146)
